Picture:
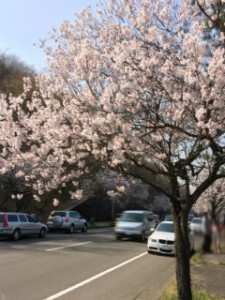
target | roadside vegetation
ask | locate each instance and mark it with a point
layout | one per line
(100, 224)
(197, 259)
(197, 294)
(170, 292)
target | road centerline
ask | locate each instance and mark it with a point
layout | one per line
(78, 285)
(68, 246)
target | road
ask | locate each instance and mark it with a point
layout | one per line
(84, 266)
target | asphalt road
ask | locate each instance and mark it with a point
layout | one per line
(84, 266)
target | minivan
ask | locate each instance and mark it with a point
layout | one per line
(135, 224)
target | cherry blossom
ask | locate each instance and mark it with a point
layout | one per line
(137, 88)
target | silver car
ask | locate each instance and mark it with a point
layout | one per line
(135, 224)
(15, 225)
(69, 221)
(196, 226)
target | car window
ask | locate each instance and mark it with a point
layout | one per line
(168, 217)
(1, 218)
(12, 218)
(30, 219)
(72, 215)
(190, 217)
(132, 217)
(196, 221)
(58, 213)
(167, 227)
(78, 215)
(22, 218)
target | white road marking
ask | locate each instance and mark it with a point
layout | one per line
(68, 246)
(76, 286)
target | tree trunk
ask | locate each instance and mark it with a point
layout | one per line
(182, 254)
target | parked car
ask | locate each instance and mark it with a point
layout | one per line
(15, 225)
(134, 224)
(162, 240)
(196, 226)
(190, 217)
(69, 221)
(169, 217)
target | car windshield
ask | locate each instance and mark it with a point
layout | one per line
(190, 217)
(58, 213)
(196, 221)
(132, 217)
(168, 218)
(167, 227)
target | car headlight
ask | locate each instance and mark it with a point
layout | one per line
(152, 240)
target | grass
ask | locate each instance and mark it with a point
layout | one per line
(170, 293)
(100, 224)
(222, 263)
(197, 259)
(201, 295)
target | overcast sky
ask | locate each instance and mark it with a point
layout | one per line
(24, 22)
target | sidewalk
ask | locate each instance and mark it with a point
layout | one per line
(207, 274)
(210, 276)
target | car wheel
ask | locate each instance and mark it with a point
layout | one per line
(42, 233)
(84, 229)
(71, 229)
(16, 235)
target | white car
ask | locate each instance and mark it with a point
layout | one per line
(162, 240)
(196, 226)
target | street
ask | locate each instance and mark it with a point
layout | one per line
(84, 266)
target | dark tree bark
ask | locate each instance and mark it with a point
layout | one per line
(182, 248)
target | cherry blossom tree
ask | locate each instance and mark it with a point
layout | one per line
(213, 200)
(137, 87)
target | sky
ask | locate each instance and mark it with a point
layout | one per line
(24, 22)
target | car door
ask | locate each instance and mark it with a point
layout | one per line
(33, 225)
(79, 222)
(24, 226)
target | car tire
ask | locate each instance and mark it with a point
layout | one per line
(71, 229)
(84, 229)
(42, 233)
(16, 235)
